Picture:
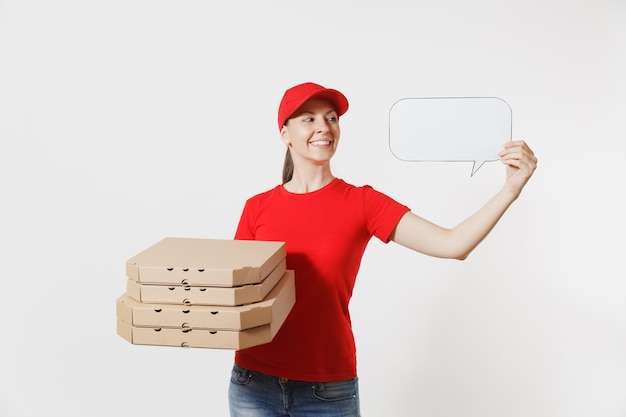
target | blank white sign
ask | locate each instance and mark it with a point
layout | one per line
(449, 129)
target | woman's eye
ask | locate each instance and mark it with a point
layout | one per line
(308, 119)
(332, 119)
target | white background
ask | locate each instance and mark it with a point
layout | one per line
(123, 122)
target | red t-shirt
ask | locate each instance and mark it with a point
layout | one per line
(326, 233)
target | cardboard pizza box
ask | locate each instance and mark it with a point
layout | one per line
(187, 336)
(195, 338)
(205, 295)
(209, 262)
(244, 317)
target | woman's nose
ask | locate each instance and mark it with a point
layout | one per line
(322, 126)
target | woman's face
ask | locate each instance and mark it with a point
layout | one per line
(312, 132)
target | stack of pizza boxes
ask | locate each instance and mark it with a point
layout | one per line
(206, 293)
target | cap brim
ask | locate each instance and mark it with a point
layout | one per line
(336, 98)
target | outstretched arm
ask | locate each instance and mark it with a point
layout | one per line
(419, 234)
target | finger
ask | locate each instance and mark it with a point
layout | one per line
(525, 164)
(509, 148)
(510, 154)
(519, 161)
(511, 162)
(517, 151)
(514, 143)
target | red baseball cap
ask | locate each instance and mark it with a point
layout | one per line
(296, 96)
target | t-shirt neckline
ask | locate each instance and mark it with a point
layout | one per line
(327, 186)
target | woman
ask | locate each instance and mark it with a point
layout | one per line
(309, 369)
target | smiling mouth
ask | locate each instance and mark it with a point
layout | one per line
(320, 142)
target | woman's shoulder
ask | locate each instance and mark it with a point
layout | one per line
(263, 195)
(368, 193)
(353, 187)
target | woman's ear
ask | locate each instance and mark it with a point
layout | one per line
(283, 136)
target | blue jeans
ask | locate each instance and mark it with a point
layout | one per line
(254, 394)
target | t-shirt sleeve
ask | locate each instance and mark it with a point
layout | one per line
(245, 228)
(382, 213)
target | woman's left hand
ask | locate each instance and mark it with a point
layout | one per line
(521, 164)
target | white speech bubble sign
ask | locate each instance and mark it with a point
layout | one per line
(449, 129)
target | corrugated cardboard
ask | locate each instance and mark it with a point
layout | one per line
(243, 317)
(187, 336)
(210, 262)
(202, 295)
(196, 338)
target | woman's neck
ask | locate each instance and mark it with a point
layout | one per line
(308, 182)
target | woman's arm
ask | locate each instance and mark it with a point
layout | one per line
(425, 237)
